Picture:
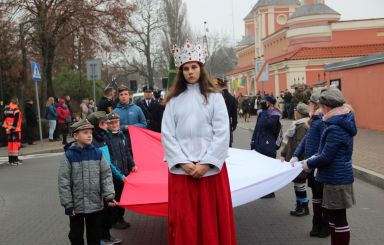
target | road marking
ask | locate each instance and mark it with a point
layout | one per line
(4, 160)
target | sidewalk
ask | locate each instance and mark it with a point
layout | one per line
(46, 147)
(368, 152)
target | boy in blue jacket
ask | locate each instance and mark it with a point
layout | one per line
(84, 183)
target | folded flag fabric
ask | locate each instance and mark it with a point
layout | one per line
(251, 175)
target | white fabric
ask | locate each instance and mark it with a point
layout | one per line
(195, 131)
(252, 175)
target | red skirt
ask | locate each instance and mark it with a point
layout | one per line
(200, 210)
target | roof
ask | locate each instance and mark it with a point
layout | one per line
(262, 3)
(249, 16)
(377, 58)
(305, 53)
(240, 69)
(313, 9)
(247, 40)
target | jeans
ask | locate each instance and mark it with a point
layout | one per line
(52, 127)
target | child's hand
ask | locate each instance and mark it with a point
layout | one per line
(112, 203)
(70, 212)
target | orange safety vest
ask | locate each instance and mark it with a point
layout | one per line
(9, 118)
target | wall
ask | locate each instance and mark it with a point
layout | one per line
(363, 89)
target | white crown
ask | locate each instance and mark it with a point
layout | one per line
(189, 53)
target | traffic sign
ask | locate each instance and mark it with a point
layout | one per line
(93, 70)
(36, 72)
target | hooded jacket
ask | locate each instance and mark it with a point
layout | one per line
(85, 179)
(309, 145)
(62, 112)
(334, 159)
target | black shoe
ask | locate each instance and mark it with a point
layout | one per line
(51, 140)
(121, 225)
(270, 195)
(301, 210)
(315, 230)
(293, 212)
(324, 231)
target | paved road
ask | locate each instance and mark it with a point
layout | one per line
(30, 212)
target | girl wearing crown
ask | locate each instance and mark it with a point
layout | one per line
(195, 136)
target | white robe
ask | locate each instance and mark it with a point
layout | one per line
(195, 131)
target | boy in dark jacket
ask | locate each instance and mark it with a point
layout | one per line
(84, 182)
(122, 159)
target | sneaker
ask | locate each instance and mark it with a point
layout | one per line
(121, 225)
(114, 240)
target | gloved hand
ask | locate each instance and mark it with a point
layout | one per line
(293, 160)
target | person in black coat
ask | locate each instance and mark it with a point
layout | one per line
(107, 102)
(31, 122)
(231, 103)
(148, 105)
(157, 112)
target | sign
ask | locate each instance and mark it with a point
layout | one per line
(36, 72)
(336, 83)
(93, 70)
(258, 66)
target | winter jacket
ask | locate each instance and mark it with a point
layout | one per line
(334, 159)
(120, 151)
(106, 104)
(309, 145)
(30, 115)
(290, 146)
(267, 129)
(51, 112)
(130, 114)
(231, 104)
(100, 141)
(62, 112)
(85, 179)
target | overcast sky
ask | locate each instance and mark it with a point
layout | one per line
(222, 17)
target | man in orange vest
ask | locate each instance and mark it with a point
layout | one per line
(12, 124)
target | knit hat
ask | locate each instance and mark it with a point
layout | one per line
(303, 109)
(113, 116)
(270, 99)
(332, 97)
(81, 125)
(95, 117)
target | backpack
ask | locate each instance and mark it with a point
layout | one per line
(279, 138)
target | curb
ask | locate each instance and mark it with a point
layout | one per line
(361, 173)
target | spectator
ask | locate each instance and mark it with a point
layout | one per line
(63, 120)
(51, 113)
(31, 121)
(107, 102)
(148, 105)
(91, 106)
(84, 108)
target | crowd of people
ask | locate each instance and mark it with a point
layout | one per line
(196, 121)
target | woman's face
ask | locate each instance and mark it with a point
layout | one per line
(191, 72)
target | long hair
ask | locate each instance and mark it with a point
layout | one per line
(311, 118)
(180, 84)
(50, 101)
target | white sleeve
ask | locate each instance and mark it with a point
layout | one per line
(217, 151)
(172, 150)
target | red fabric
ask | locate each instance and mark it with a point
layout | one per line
(147, 189)
(200, 210)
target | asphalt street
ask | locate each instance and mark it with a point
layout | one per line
(30, 212)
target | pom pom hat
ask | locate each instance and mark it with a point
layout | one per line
(189, 53)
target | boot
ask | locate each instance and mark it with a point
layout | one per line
(324, 230)
(302, 210)
(293, 212)
(315, 230)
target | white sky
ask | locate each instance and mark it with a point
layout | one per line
(219, 13)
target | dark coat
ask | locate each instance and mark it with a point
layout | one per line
(294, 141)
(157, 116)
(149, 111)
(119, 146)
(106, 105)
(30, 115)
(309, 145)
(334, 159)
(230, 102)
(267, 129)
